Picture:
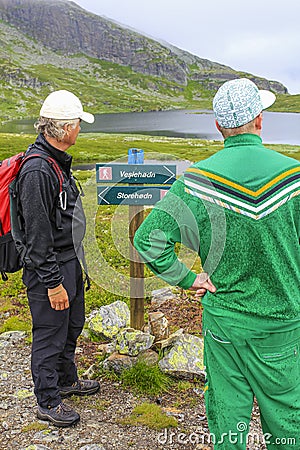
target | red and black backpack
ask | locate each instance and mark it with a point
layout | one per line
(12, 249)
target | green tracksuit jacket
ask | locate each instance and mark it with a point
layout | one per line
(240, 211)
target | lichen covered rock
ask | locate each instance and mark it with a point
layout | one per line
(185, 359)
(109, 319)
(131, 342)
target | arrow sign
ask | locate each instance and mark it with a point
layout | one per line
(130, 195)
(136, 173)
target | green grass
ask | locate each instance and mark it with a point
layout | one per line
(19, 323)
(101, 147)
(150, 415)
(146, 379)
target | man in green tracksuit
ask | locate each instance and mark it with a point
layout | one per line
(240, 210)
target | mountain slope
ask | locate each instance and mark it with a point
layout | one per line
(54, 44)
(67, 28)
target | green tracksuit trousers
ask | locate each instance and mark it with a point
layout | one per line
(246, 357)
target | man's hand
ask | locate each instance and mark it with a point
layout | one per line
(202, 284)
(58, 298)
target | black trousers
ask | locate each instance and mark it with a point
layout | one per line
(55, 333)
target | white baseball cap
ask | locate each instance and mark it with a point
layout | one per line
(63, 105)
(239, 101)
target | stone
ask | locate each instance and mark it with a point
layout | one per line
(159, 325)
(185, 359)
(131, 342)
(170, 341)
(4, 376)
(46, 435)
(21, 394)
(149, 356)
(37, 447)
(12, 336)
(160, 296)
(107, 348)
(118, 363)
(92, 447)
(109, 319)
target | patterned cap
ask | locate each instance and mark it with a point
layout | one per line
(239, 101)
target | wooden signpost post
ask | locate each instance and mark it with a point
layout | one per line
(112, 191)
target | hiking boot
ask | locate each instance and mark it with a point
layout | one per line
(60, 415)
(80, 387)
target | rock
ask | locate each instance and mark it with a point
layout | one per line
(12, 336)
(161, 296)
(149, 356)
(117, 363)
(108, 320)
(185, 359)
(107, 348)
(46, 435)
(36, 447)
(4, 376)
(131, 342)
(159, 325)
(92, 447)
(170, 341)
(21, 394)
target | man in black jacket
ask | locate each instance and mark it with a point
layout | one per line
(54, 225)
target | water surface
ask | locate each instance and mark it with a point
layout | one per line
(278, 128)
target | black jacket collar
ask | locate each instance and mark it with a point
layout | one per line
(63, 158)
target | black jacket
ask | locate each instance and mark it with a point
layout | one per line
(52, 235)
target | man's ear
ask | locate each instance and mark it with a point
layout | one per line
(258, 121)
(217, 125)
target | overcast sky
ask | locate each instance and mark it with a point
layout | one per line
(261, 37)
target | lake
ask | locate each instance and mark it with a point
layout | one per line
(278, 128)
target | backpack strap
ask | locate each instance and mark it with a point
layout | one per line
(62, 196)
(52, 163)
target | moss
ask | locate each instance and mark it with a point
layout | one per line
(15, 323)
(150, 415)
(183, 386)
(101, 405)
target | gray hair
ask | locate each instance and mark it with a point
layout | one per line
(54, 128)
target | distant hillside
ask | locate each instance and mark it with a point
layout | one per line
(54, 44)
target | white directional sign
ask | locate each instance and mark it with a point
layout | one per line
(130, 195)
(136, 173)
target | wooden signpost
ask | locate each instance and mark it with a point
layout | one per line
(112, 191)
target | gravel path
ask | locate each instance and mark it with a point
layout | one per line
(99, 428)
